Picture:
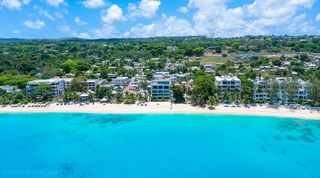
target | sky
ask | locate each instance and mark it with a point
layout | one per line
(94, 19)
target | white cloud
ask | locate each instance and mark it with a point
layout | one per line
(166, 26)
(26, 1)
(73, 33)
(127, 34)
(302, 25)
(34, 25)
(183, 10)
(318, 17)
(83, 35)
(58, 15)
(146, 9)
(107, 31)
(78, 21)
(93, 3)
(15, 31)
(214, 18)
(275, 13)
(65, 28)
(11, 4)
(46, 14)
(56, 3)
(113, 14)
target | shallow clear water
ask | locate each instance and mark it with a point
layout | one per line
(104, 145)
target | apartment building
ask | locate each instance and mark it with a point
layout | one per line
(57, 86)
(260, 91)
(160, 90)
(91, 83)
(120, 81)
(227, 82)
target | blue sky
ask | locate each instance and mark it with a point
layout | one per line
(148, 18)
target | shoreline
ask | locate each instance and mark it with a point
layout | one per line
(165, 108)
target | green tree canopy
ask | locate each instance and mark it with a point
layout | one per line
(78, 84)
(44, 90)
(178, 94)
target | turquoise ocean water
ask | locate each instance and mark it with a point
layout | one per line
(160, 145)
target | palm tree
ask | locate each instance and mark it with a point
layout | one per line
(237, 96)
(226, 95)
(118, 96)
(126, 94)
(140, 97)
(132, 96)
(91, 97)
(212, 101)
(108, 95)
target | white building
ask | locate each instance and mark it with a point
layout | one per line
(207, 67)
(172, 48)
(91, 83)
(260, 92)
(120, 81)
(229, 82)
(57, 86)
(160, 89)
(10, 89)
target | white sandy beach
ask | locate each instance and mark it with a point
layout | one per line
(165, 107)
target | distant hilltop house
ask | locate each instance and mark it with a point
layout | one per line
(246, 56)
(172, 48)
(211, 48)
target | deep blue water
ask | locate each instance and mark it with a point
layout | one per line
(145, 145)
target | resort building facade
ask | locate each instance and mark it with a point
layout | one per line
(228, 82)
(160, 90)
(120, 81)
(260, 91)
(91, 83)
(57, 86)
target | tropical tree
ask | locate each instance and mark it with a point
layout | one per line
(226, 95)
(246, 89)
(144, 87)
(118, 96)
(91, 97)
(212, 101)
(178, 94)
(78, 84)
(204, 88)
(44, 90)
(291, 88)
(314, 92)
(133, 96)
(272, 87)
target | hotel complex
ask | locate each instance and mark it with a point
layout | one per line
(57, 86)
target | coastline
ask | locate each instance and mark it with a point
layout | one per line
(165, 108)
